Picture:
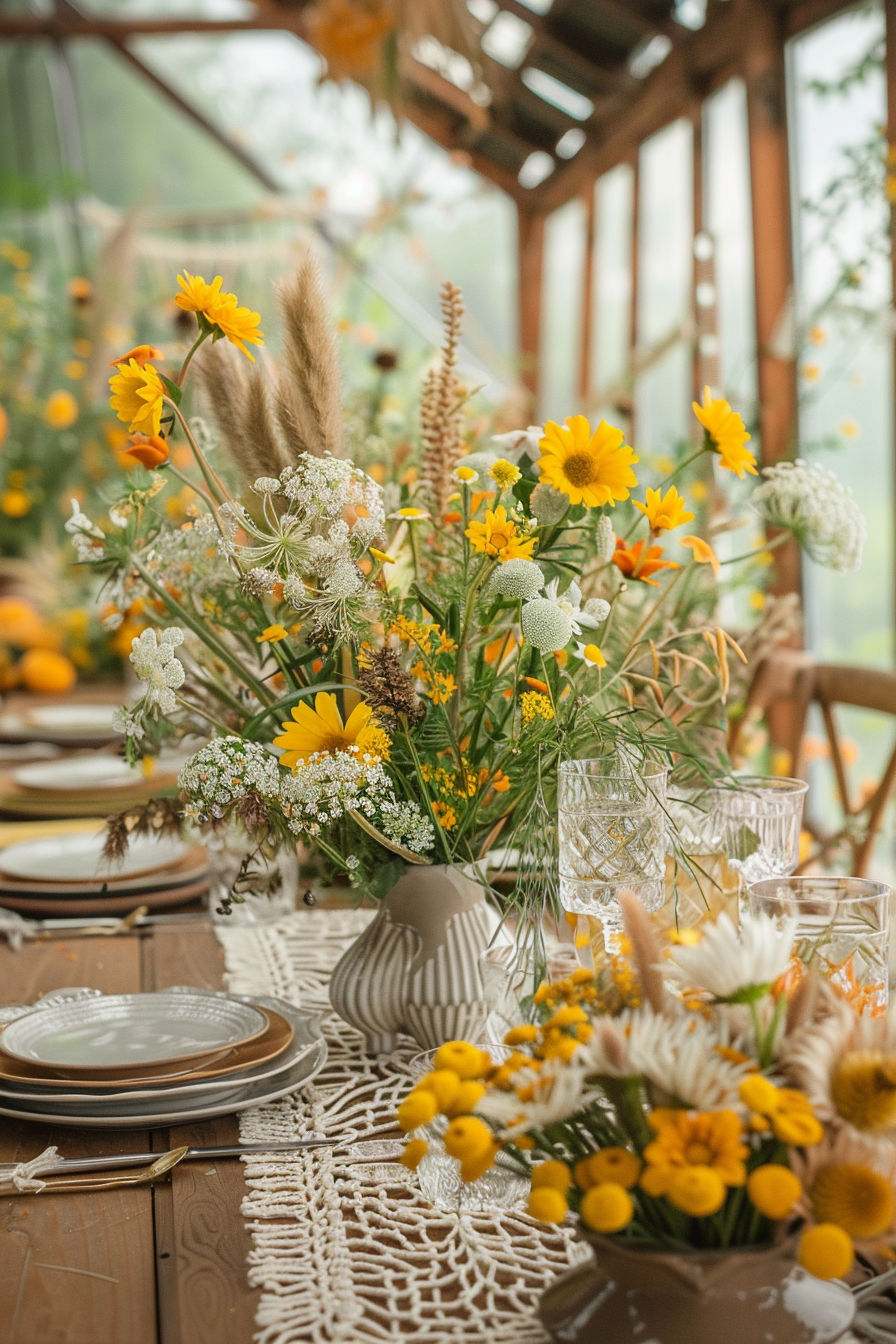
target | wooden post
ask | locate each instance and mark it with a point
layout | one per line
(635, 270)
(890, 16)
(772, 245)
(589, 280)
(530, 270)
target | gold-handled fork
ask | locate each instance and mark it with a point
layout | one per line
(142, 1176)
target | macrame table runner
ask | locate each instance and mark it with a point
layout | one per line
(344, 1247)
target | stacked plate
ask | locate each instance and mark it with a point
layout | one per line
(67, 875)
(66, 725)
(82, 786)
(135, 1061)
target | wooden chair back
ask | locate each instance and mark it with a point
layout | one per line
(790, 680)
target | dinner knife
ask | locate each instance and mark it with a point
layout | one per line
(72, 1164)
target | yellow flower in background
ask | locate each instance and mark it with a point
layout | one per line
(410, 514)
(137, 397)
(504, 473)
(4, 426)
(664, 511)
(863, 1090)
(728, 433)
(80, 289)
(773, 1189)
(811, 372)
(15, 503)
(196, 295)
(348, 35)
(414, 1152)
(47, 672)
(223, 311)
(445, 815)
(591, 468)
(320, 731)
(535, 705)
(849, 429)
(616, 1165)
(238, 324)
(855, 1197)
(272, 635)
(697, 1190)
(74, 369)
(547, 1205)
(499, 536)
(61, 410)
(702, 552)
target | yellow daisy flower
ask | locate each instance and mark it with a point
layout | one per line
(409, 514)
(320, 731)
(238, 324)
(591, 468)
(702, 551)
(272, 635)
(137, 397)
(196, 295)
(707, 1139)
(664, 511)
(728, 433)
(499, 535)
(61, 410)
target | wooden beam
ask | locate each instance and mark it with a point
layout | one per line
(531, 273)
(634, 295)
(890, 18)
(805, 14)
(764, 77)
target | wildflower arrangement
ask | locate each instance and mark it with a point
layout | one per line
(392, 670)
(723, 1114)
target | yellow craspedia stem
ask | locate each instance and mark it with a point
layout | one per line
(444, 1084)
(467, 1061)
(826, 1251)
(616, 1165)
(521, 1035)
(467, 1138)
(414, 1152)
(698, 1190)
(547, 1205)
(553, 1173)
(418, 1108)
(773, 1190)
(606, 1208)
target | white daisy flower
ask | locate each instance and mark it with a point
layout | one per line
(571, 605)
(519, 441)
(591, 655)
(734, 967)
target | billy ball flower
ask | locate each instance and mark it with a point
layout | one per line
(545, 626)
(517, 579)
(607, 1208)
(548, 505)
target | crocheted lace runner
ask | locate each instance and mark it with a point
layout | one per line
(344, 1247)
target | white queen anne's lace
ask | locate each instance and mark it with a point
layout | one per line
(225, 770)
(87, 537)
(158, 667)
(819, 510)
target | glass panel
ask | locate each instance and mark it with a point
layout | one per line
(845, 361)
(727, 216)
(561, 311)
(665, 271)
(611, 309)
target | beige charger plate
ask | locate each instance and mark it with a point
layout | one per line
(117, 904)
(272, 1042)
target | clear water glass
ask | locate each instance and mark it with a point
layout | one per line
(612, 829)
(843, 931)
(268, 895)
(759, 819)
(503, 1186)
(693, 824)
(511, 973)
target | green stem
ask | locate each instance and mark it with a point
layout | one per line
(425, 791)
(190, 353)
(202, 632)
(213, 481)
(769, 546)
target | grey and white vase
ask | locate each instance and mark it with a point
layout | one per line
(415, 969)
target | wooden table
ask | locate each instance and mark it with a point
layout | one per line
(162, 1265)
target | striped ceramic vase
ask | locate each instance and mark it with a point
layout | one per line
(416, 967)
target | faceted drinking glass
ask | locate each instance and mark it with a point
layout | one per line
(843, 931)
(759, 820)
(503, 1186)
(612, 828)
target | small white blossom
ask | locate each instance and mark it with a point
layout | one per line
(597, 609)
(155, 664)
(571, 604)
(87, 537)
(520, 441)
(604, 539)
(266, 485)
(130, 724)
(224, 771)
(734, 965)
(820, 512)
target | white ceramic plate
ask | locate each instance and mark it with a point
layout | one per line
(71, 718)
(79, 772)
(305, 1046)
(249, 1095)
(118, 1030)
(79, 858)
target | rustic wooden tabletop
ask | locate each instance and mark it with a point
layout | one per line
(162, 1265)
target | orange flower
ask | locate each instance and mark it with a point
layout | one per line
(537, 685)
(4, 426)
(47, 672)
(702, 551)
(150, 450)
(80, 288)
(142, 354)
(500, 782)
(635, 563)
